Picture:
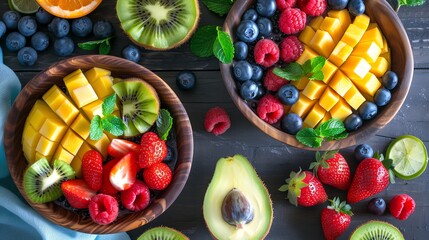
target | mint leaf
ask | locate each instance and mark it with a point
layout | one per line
(220, 7)
(103, 45)
(88, 45)
(306, 67)
(95, 128)
(293, 71)
(317, 63)
(113, 124)
(309, 137)
(164, 123)
(202, 41)
(108, 105)
(104, 48)
(411, 3)
(317, 76)
(331, 128)
(223, 47)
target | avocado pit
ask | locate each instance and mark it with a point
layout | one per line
(237, 209)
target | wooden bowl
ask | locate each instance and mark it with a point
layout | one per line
(119, 68)
(402, 63)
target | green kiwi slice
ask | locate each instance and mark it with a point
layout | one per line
(158, 24)
(377, 230)
(162, 233)
(42, 183)
(139, 103)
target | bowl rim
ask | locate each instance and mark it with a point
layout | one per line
(120, 68)
(383, 9)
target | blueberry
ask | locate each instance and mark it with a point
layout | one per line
(2, 28)
(102, 29)
(337, 4)
(243, 71)
(240, 50)
(266, 8)
(363, 151)
(59, 27)
(389, 80)
(40, 41)
(265, 26)
(186, 80)
(250, 14)
(27, 56)
(257, 73)
(131, 53)
(291, 123)
(382, 97)
(247, 31)
(377, 206)
(367, 110)
(249, 90)
(288, 94)
(81, 27)
(353, 122)
(356, 7)
(27, 26)
(15, 41)
(170, 155)
(43, 17)
(64, 46)
(261, 90)
(10, 19)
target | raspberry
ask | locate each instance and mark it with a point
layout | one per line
(290, 49)
(283, 4)
(137, 197)
(312, 7)
(157, 176)
(402, 206)
(266, 52)
(273, 82)
(270, 109)
(217, 121)
(292, 20)
(103, 209)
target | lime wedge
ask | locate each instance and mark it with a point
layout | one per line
(24, 6)
(409, 156)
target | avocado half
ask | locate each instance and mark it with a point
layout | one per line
(237, 173)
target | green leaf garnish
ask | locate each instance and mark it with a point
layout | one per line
(95, 128)
(108, 105)
(220, 7)
(309, 137)
(333, 129)
(103, 45)
(113, 124)
(312, 69)
(164, 123)
(211, 40)
(223, 47)
(411, 3)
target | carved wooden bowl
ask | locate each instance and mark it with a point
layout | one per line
(402, 63)
(120, 68)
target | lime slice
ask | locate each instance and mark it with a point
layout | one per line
(409, 156)
(24, 6)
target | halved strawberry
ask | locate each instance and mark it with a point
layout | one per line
(92, 169)
(119, 147)
(77, 193)
(124, 173)
(106, 186)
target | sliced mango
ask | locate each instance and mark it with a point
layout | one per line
(356, 67)
(314, 89)
(340, 83)
(314, 116)
(340, 53)
(354, 98)
(341, 110)
(328, 99)
(306, 35)
(322, 43)
(302, 106)
(367, 50)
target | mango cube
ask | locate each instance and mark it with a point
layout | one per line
(354, 98)
(76, 163)
(385, 48)
(328, 99)
(53, 129)
(314, 89)
(328, 71)
(83, 95)
(302, 106)
(306, 35)
(343, 16)
(46, 147)
(373, 35)
(314, 116)
(72, 75)
(81, 126)
(340, 53)
(30, 136)
(93, 109)
(100, 145)
(60, 104)
(300, 84)
(369, 84)
(71, 142)
(67, 111)
(29, 152)
(368, 50)
(380, 67)
(322, 43)
(356, 67)
(333, 27)
(362, 21)
(316, 22)
(75, 80)
(63, 155)
(325, 118)
(95, 73)
(341, 110)
(103, 86)
(340, 83)
(307, 54)
(54, 97)
(352, 35)
(39, 113)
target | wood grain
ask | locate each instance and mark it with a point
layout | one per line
(119, 68)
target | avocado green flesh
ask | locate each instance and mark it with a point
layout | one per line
(237, 172)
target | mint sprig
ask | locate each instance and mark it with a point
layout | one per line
(103, 45)
(333, 129)
(210, 40)
(294, 71)
(220, 7)
(109, 122)
(411, 3)
(164, 123)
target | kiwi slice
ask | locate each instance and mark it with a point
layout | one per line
(158, 24)
(139, 103)
(42, 183)
(162, 233)
(377, 230)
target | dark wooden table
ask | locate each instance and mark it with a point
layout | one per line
(271, 159)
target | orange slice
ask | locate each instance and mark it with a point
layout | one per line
(69, 8)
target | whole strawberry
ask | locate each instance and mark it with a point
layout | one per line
(304, 189)
(332, 169)
(335, 218)
(153, 150)
(158, 176)
(92, 169)
(371, 177)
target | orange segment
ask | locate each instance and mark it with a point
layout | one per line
(69, 8)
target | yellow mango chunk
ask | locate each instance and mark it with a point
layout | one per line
(83, 95)
(81, 126)
(380, 67)
(76, 164)
(100, 145)
(340, 83)
(60, 104)
(372, 25)
(368, 50)
(385, 48)
(30, 136)
(72, 74)
(54, 97)
(39, 113)
(373, 35)
(302, 106)
(341, 110)
(369, 84)
(314, 116)
(67, 111)
(300, 84)
(93, 109)
(333, 27)
(356, 67)
(95, 73)
(29, 152)
(325, 118)
(314, 89)
(71, 142)
(63, 155)
(352, 35)
(328, 71)
(53, 129)
(343, 16)
(386, 55)
(322, 43)
(354, 98)
(362, 21)
(75, 80)
(306, 35)
(340, 53)
(307, 54)
(46, 147)
(328, 99)
(316, 22)
(103, 86)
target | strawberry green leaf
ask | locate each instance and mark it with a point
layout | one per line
(95, 128)
(164, 123)
(283, 188)
(108, 105)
